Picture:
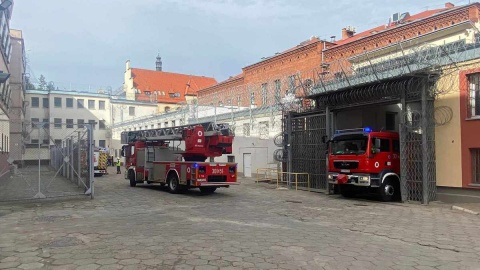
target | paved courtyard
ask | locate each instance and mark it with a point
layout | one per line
(252, 226)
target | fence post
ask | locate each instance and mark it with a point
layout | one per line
(90, 160)
(39, 194)
(424, 125)
(289, 149)
(79, 170)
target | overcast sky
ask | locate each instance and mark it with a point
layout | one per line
(86, 42)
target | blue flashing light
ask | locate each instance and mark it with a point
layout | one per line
(367, 129)
(195, 165)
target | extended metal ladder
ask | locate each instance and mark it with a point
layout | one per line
(174, 133)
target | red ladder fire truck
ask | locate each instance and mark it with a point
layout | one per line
(361, 160)
(152, 156)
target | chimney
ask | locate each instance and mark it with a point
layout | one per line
(348, 32)
(449, 5)
(158, 63)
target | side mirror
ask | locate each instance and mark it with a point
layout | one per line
(324, 139)
(123, 151)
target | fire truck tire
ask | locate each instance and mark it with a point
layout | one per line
(131, 177)
(174, 184)
(347, 191)
(389, 190)
(207, 190)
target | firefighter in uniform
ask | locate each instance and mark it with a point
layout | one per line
(118, 166)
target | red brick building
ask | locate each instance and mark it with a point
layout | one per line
(457, 146)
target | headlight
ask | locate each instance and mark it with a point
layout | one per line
(364, 178)
(330, 176)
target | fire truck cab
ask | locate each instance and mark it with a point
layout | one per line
(362, 160)
(155, 156)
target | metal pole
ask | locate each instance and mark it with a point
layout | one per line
(403, 138)
(79, 170)
(39, 194)
(289, 149)
(90, 162)
(424, 129)
(328, 134)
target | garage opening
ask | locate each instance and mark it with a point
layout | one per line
(403, 106)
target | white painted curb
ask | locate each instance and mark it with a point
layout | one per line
(464, 210)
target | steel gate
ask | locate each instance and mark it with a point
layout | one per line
(48, 160)
(306, 151)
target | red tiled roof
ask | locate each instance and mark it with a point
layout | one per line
(169, 87)
(421, 15)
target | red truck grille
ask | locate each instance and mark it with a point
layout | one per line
(345, 164)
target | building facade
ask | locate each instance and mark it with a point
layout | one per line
(62, 112)
(17, 95)
(5, 88)
(169, 90)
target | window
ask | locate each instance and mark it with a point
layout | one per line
(91, 104)
(263, 130)
(80, 123)
(152, 126)
(57, 122)
(252, 98)
(475, 165)
(69, 123)
(167, 109)
(278, 86)
(57, 102)
(131, 111)
(45, 103)
(384, 145)
(35, 122)
(92, 123)
(230, 159)
(291, 84)
(101, 105)
(101, 124)
(101, 143)
(173, 123)
(58, 143)
(264, 93)
(165, 124)
(396, 146)
(35, 141)
(474, 95)
(69, 102)
(246, 130)
(46, 141)
(390, 121)
(46, 123)
(35, 102)
(80, 104)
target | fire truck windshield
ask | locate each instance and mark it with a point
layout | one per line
(355, 144)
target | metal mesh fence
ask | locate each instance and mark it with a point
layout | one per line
(46, 160)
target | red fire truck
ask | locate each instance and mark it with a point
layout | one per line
(155, 156)
(361, 160)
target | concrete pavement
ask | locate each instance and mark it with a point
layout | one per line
(252, 226)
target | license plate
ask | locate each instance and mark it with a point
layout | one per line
(345, 171)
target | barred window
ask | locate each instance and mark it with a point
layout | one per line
(475, 165)
(474, 95)
(264, 93)
(278, 86)
(263, 130)
(246, 130)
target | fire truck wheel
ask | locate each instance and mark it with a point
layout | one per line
(389, 190)
(173, 184)
(347, 191)
(208, 190)
(131, 177)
